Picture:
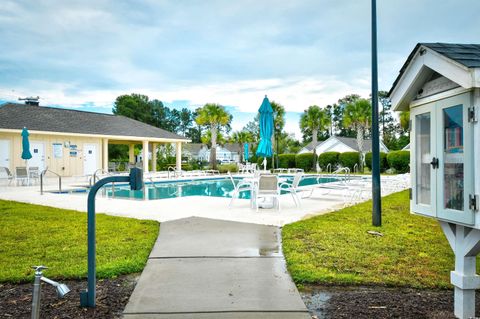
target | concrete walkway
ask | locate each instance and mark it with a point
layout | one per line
(206, 268)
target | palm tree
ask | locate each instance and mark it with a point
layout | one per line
(314, 119)
(357, 114)
(240, 138)
(214, 116)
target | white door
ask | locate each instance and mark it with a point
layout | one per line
(89, 159)
(423, 146)
(38, 155)
(5, 153)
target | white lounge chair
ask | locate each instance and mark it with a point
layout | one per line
(238, 188)
(268, 188)
(293, 188)
(8, 174)
(21, 175)
(34, 174)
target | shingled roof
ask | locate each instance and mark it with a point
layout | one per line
(467, 55)
(50, 119)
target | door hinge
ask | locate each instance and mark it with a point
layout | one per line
(473, 202)
(409, 125)
(410, 193)
(471, 115)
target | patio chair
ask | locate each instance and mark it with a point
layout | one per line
(293, 188)
(268, 188)
(21, 175)
(112, 167)
(10, 176)
(238, 188)
(34, 173)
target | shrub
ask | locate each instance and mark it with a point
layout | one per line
(304, 161)
(224, 168)
(286, 160)
(383, 161)
(328, 158)
(399, 160)
(349, 159)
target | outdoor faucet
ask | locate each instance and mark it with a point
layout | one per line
(62, 290)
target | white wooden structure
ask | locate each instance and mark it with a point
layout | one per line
(439, 84)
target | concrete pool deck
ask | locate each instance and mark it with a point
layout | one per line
(182, 207)
(204, 268)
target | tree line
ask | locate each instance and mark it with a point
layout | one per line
(211, 124)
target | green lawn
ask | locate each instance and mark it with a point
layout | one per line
(336, 249)
(33, 235)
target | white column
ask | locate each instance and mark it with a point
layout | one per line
(178, 155)
(131, 153)
(145, 156)
(154, 157)
(465, 243)
(105, 154)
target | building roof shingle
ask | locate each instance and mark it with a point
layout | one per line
(467, 55)
(50, 119)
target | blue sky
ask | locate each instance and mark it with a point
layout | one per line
(82, 54)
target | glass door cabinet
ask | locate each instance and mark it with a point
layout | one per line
(442, 159)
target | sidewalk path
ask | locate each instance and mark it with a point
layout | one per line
(206, 268)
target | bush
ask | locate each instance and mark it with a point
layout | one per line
(383, 161)
(286, 160)
(328, 158)
(399, 160)
(304, 161)
(224, 168)
(349, 159)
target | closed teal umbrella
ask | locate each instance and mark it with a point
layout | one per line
(245, 152)
(26, 155)
(266, 129)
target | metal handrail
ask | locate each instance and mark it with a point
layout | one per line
(153, 183)
(41, 180)
(329, 168)
(355, 168)
(94, 176)
(172, 169)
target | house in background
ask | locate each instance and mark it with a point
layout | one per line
(341, 144)
(71, 142)
(196, 151)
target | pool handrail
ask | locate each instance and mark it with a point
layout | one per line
(41, 179)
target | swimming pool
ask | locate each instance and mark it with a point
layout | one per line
(217, 187)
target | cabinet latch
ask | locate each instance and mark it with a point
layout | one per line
(471, 115)
(473, 202)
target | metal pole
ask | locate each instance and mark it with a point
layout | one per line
(37, 286)
(87, 298)
(376, 195)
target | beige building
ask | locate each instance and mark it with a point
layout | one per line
(73, 143)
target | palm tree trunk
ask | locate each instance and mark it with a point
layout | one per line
(360, 139)
(213, 150)
(314, 144)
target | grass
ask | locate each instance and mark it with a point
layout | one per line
(336, 249)
(39, 235)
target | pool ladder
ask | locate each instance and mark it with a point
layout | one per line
(42, 174)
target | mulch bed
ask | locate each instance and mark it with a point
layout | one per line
(322, 301)
(379, 302)
(112, 297)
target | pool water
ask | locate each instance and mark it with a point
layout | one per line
(218, 187)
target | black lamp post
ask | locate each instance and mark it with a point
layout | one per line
(376, 195)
